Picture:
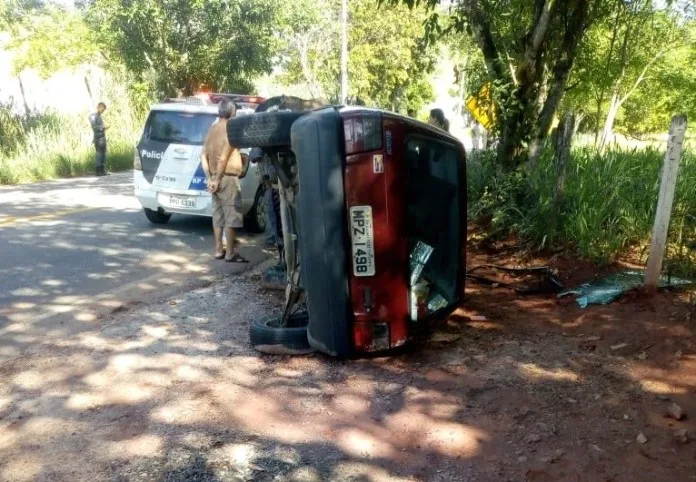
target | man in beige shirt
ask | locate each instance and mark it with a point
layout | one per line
(222, 165)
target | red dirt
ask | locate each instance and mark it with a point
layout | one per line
(590, 400)
(511, 388)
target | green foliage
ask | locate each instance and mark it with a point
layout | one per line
(52, 145)
(52, 39)
(528, 49)
(219, 44)
(669, 89)
(12, 12)
(389, 63)
(11, 129)
(608, 205)
(633, 62)
(310, 33)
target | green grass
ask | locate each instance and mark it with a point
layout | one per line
(52, 165)
(56, 146)
(607, 209)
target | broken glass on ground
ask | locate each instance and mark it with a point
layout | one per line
(607, 289)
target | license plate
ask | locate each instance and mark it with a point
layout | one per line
(362, 237)
(182, 201)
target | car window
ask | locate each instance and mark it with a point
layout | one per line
(178, 127)
(433, 210)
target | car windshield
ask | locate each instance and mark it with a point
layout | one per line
(178, 127)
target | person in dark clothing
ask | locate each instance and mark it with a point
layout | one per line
(437, 118)
(99, 131)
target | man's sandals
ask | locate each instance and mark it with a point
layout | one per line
(236, 258)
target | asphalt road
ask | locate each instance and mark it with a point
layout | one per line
(73, 249)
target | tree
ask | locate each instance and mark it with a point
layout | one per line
(640, 39)
(633, 65)
(50, 39)
(529, 48)
(389, 63)
(669, 89)
(310, 33)
(12, 12)
(217, 44)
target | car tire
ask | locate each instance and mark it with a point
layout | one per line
(255, 221)
(266, 336)
(157, 217)
(266, 129)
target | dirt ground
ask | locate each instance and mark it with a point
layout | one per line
(512, 388)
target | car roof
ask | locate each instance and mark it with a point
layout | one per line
(188, 108)
(420, 125)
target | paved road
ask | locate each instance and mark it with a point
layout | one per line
(85, 243)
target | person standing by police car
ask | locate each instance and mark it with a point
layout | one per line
(99, 131)
(222, 164)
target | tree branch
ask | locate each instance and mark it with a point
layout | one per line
(484, 38)
(641, 77)
(561, 69)
(541, 28)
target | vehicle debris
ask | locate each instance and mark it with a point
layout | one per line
(605, 290)
(532, 280)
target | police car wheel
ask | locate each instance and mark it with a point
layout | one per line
(266, 129)
(267, 336)
(157, 217)
(256, 217)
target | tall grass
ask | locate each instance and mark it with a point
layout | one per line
(49, 145)
(607, 209)
(61, 146)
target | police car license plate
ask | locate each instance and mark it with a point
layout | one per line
(188, 202)
(362, 237)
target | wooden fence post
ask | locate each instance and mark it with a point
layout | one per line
(668, 182)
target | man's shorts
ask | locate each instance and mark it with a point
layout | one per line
(227, 204)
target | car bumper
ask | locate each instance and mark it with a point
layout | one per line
(156, 198)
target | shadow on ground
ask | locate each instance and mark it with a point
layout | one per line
(532, 392)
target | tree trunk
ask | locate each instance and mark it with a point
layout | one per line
(27, 111)
(89, 89)
(564, 137)
(609, 121)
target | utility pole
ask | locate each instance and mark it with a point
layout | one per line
(344, 51)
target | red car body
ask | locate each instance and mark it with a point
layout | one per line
(408, 175)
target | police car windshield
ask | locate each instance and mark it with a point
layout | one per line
(178, 127)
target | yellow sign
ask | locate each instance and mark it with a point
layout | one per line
(481, 107)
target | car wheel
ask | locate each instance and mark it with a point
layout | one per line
(267, 129)
(267, 336)
(157, 217)
(255, 220)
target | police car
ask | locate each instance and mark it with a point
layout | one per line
(169, 178)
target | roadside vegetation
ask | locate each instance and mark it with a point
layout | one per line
(606, 211)
(50, 146)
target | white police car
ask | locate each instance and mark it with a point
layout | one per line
(168, 175)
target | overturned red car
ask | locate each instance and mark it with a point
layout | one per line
(373, 208)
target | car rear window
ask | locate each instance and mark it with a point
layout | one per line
(178, 127)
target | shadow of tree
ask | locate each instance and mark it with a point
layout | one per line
(529, 389)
